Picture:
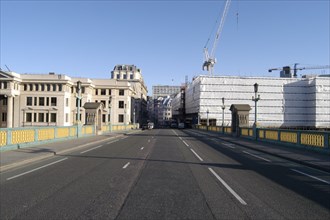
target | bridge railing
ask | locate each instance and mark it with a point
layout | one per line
(315, 140)
(13, 138)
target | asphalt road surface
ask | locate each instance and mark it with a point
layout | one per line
(165, 174)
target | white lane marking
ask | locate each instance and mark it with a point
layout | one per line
(201, 159)
(148, 141)
(228, 187)
(230, 145)
(142, 148)
(180, 138)
(91, 149)
(314, 177)
(253, 155)
(13, 177)
(112, 142)
(185, 143)
(126, 165)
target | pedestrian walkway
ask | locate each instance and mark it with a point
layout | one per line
(302, 156)
(22, 156)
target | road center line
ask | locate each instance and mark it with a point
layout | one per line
(91, 149)
(112, 142)
(13, 177)
(142, 148)
(253, 155)
(201, 159)
(314, 177)
(126, 165)
(228, 187)
(229, 145)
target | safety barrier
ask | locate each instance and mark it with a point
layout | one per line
(316, 140)
(13, 138)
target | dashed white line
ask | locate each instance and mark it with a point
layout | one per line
(91, 149)
(230, 145)
(253, 155)
(185, 143)
(13, 177)
(228, 187)
(110, 142)
(148, 141)
(314, 177)
(126, 165)
(141, 148)
(201, 159)
(180, 138)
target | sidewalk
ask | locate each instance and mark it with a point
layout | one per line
(19, 157)
(298, 155)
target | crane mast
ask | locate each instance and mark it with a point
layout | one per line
(210, 59)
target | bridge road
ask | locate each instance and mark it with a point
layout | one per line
(165, 174)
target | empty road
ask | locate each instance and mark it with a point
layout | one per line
(165, 174)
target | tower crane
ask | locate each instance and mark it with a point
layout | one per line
(210, 59)
(287, 69)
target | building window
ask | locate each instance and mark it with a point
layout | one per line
(96, 92)
(67, 117)
(42, 87)
(41, 117)
(4, 116)
(25, 87)
(30, 87)
(47, 117)
(131, 76)
(67, 102)
(103, 91)
(28, 117)
(125, 76)
(35, 101)
(29, 101)
(54, 87)
(121, 104)
(109, 91)
(37, 87)
(103, 101)
(60, 87)
(41, 101)
(118, 76)
(103, 117)
(48, 87)
(47, 101)
(5, 86)
(5, 101)
(121, 92)
(120, 118)
(83, 89)
(35, 117)
(53, 101)
(52, 117)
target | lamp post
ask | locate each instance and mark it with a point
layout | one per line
(198, 117)
(78, 101)
(207, 118)
(223, 112)
(255, 98)
(134, 116)
(109, 117)
(125, 114)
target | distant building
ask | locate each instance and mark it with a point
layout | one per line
(50, 99)
(284, 102)
(164, 91)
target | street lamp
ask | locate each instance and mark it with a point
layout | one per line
(134, 116)
(255, 99)
(223, 111)
(207, 117)
(78, 101)
(110, 100)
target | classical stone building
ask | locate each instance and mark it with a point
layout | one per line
(51, 99)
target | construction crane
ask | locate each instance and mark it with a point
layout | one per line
(210, 59)
(286, 70)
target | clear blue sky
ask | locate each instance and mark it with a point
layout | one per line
(165, 39)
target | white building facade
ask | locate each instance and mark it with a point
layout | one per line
(51, 99)
(284, 102)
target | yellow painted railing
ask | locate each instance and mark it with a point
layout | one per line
(3, 138)
(73, 131)
(227, 129)
(291, 137)
(245, 131)
(22, 136)
(272, 135)
(250, 132)
(312, 139)
(46, 134)
(62, 132)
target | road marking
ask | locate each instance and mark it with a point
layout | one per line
(142, 148)
(112, 142)
(230, 145)
(91, 149)
(13, 177)
(314, 177)
(180, 138)
(253, 155)
(201, 159)
(148, 141)
(228, 187)
(185, 143)
(126, 165)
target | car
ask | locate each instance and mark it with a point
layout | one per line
(174, 125)
(144, 126)
(181, 125)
